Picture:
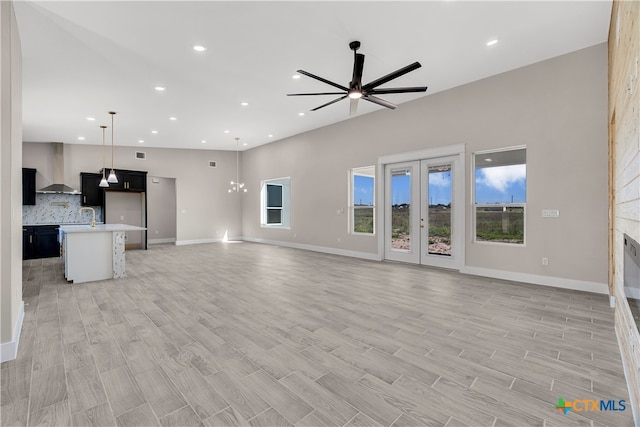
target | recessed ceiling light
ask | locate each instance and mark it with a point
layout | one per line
(154, 131)
(270, 136)
(203, 141)
(160, 88)
(227, 131)
(295, 76)
(91, 119)
(81, 138)
(244, 104)
(199, 48)
(173, 118)
(244, 143)
(492, 42)
(488, 159)
(301, 114)
(141, 141)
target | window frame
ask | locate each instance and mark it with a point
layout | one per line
(285, 209)
(359, 171)
(495, 205)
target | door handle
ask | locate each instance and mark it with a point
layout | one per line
(30, 239)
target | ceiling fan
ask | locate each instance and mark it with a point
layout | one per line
(357, 90)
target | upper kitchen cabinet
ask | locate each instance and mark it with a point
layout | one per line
(92, 193)
(128, 180)
(28, 186)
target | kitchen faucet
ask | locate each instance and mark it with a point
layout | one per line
(93, 211)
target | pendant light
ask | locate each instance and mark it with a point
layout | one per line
(112, 175)
(103, 181)
(237, 186)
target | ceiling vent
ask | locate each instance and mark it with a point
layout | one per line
(141, 155)
(213, 164)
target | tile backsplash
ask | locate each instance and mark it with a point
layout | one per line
(57, 209)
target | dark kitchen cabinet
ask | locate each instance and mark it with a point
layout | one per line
(135, 181)
(40, 241)
(28, 186)
(92, 193)
(28, 245)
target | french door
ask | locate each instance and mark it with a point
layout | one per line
(423, 212)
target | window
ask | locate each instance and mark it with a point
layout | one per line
(275, 203)
(500, 195)
(361, 200)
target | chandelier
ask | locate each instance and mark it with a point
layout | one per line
(237, 186)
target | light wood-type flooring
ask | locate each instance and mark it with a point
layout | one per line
(250, 334)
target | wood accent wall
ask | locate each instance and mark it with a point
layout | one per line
(624, 176)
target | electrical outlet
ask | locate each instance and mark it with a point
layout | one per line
(545, 261)
(121, 217)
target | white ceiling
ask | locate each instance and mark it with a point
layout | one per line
(83, 59)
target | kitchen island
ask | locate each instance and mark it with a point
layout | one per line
(93, 253)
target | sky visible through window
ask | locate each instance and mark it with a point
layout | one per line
(362, 190)
(494, 185)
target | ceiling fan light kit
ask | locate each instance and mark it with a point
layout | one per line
(357, 90)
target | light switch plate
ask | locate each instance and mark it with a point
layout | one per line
(550, 213)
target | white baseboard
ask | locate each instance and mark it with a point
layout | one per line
(160, 241)
(612, 301)
(557, 282)
(9, 350)
(197, 241)
(634, 407)
(314, 248)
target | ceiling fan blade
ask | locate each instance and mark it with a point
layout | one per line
(353, 106)
(318, 93)
(391, 76)
(313, 76)
(379, 101)
(330, 102)
(358, 65)
(398, 90)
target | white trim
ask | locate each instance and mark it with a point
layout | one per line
(9, 350)
(198, 241)
(612, 301)
(158, 241)
(314, 248)
(429, 153)
(556, 282)
(634, 408)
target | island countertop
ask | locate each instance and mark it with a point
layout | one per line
(87, 228)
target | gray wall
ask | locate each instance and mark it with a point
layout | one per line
(205, 209)
(161, 209)
(557, 108)
(126, 208)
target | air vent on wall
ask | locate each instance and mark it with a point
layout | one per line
(141, 155)
(212, 164)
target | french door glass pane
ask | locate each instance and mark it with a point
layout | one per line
(401, 209)
(439, 218)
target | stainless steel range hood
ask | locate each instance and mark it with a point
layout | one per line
(58, 186)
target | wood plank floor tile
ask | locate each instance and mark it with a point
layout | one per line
(122, 390)
(98, 416)
(184, 417)
(140, 416)
(200, 394)
(57, 414)
(160, 392)
(319, 398)
(360, 398)
(228, 417)
(270, 418)
(85, 388)
(292, 407)
(211, 338)
(48, 386)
